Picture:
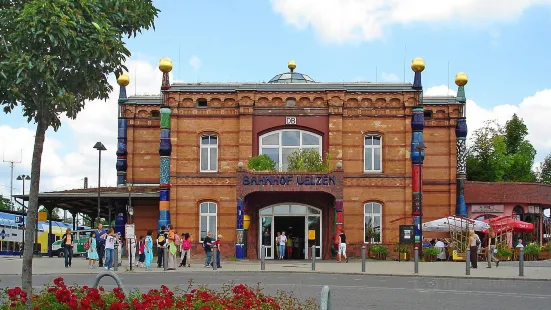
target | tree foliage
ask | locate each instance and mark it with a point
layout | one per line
(55, 55)
(501, 153)
(544, 170)
(5, 204)
(307, 160)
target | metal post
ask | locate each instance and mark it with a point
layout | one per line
(99, 187)
(314, 257)
(214, 255)
(521, 263)
(363, 258)
(116, 258)
(416, 260)
(263, 257)
(130, 254)
(165, 257)
(468, 262)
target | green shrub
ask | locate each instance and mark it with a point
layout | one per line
(379, 249)
(504, 252)
(308, 160)
(261, 163)
(431, 251)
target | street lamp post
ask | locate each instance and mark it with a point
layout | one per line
(130, 209)
(24, 177)
(100, 147)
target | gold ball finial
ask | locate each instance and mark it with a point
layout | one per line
(461, 79)
(418, 64)
(292, 65)
(123, 80)
(165, 65)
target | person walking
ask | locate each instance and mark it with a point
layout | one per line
(67, 242)
(92, 251)
(101, 235)
(186, 250)
(492, 242)
(110, 243)
(282, 242)
(276, 245)
(342, 247)
(207, 244)
(474, 249)
(171, 248)
(148, 250)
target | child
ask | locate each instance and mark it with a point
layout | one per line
(92, 251)
(141, 251)
(110, 243)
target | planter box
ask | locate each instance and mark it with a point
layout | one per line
(543, 256)
(504, 258)
(429, 258)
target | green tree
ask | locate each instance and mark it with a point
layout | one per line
(55, 55)
(5, 204)
(515, 134)
(544, 170)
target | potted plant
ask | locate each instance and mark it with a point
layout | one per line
(430, 254)
(403, 250)
(503, 253)
(380, 251)
(531, 251)
(545, 252)
(261, 163)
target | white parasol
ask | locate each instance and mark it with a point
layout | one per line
(452, 223)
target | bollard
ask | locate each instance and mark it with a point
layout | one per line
(116, 259)
(325, 301)
(165, 259)
(263, 257)
(416, 260)
(112, 275)
(468, 262)
(214, 255)
(313, 257)
(521, 263)
(363, 258)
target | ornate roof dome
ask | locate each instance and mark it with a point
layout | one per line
(291, 76)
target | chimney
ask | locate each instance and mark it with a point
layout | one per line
(86, 183)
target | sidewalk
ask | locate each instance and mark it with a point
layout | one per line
(507, 270)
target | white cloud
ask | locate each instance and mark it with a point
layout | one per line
(535, 110)
(67, 160)
(195, 62)
(354, 20)
(389, 77)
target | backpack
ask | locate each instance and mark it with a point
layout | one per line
(87, 244)
(177, 240)
(161, 239)
(187, 245)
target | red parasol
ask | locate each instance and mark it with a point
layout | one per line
(503, 224)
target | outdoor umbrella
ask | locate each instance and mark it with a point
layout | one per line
(503, 224)
(453, 223)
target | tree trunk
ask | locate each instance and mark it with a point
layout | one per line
(32, 211)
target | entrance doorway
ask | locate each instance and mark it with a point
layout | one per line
(298, 220)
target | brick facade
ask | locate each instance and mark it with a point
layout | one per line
(341, 114)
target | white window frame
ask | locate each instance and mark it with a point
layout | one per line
(280, 147)
(373, 149)
(372, 215)
(208, 215)
(209, 148)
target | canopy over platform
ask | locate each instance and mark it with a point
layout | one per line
(454, 224)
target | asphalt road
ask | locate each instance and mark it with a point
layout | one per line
(351, 291)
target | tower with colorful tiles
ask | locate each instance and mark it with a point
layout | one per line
(165, 146)
(120, 213)
(461, 80)
(417, 151)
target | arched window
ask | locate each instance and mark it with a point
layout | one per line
(373, 159)
(209, 153)
(373, 215)
(278, 145)
(207, 219)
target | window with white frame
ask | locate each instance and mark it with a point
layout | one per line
(373, 153)
(372, 222)
(278, 145)
(209, 153)
(207, 219)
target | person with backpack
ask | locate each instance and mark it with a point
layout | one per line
(186, 250)
(141, 252)
(161, 242)
(92, 251)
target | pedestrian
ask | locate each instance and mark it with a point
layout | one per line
(141, 252)
(67, 242)
(161, 242)
(131, 250)
(218, 252)
(473, 247)
(92, 251)
(207, 244)
(110, 243)
(101, 235)
(342, 247)
(278, 235)
(148, 250)
(282, 242)
(289, 246)
(171, 248)
(491, 248)
(186, 250)
(120, 246)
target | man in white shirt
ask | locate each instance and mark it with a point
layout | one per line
(282, 242)
(442, 247)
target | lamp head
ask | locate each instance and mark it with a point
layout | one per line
(27, 177)
(99, 146)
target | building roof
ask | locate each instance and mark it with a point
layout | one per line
(291, 77)
(507, 192)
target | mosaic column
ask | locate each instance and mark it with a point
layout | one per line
(121, 166)
(461, 80)
(417, 152)
(239, 245)
(165, 146)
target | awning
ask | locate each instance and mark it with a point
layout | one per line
(503, 224)
(454, 223)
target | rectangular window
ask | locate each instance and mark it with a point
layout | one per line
(209, 153)
(373, 222)
(373, 160)
(207, 219)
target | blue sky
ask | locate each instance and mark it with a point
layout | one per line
(502, 45)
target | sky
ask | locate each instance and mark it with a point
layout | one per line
(503, 46)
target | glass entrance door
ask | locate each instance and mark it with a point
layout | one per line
(267, 236)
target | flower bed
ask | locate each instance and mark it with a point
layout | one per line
(231, 297)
